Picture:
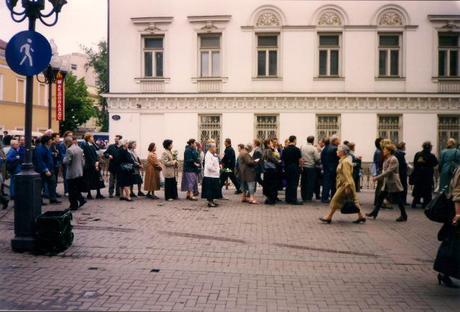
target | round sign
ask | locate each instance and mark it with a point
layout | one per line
(28, 53)
(116, 117)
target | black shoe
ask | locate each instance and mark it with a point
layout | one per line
(402, 219)
(212, 205)
(325, 201)
(360, 220)
(328, 221)
(446, 281)
(110, 195)
(99, 196)
(238, 192)
(296, 203)
(371, 215)
(140, 194)
(82, 202)
(5, 204)
(269, 202)
(55, 201)
(90, 197)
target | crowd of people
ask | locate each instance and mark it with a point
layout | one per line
(328, 171)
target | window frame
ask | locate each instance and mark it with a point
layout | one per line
(23, 91)
(209, 51)
(448, 51)
(154, 51)
(441, 144)
(388, 50)
(399, 130)
(257, 127)
(267, 50)
(201, 128)
(339, 125)
(328, 50)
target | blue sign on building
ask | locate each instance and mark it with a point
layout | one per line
(28, 53)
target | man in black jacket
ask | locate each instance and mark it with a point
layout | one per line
(292, 162)
(112, 155)
(330, 162)
(401, 156)
(228, 163)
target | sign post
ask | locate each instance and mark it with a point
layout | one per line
(60, 108)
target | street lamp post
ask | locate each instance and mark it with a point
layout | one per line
(28, 183)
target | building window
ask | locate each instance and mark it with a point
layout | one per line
(210, 55)
(390, 127)
(42, 94)
(448, 127)
(327, 125)
(329, 55)
(267, 55)
(73, 66)
(448, 57)
(20, 91)
(153, 56)
(389, 55)
(266, 127)
(210, 127)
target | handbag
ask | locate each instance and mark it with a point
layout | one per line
(127, 168)
(349, 207)
(440, 209)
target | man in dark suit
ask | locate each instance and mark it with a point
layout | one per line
(330, 162)
(292, 162)
(228, 164)
(112, 155)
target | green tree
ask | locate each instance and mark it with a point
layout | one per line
(99, 60)
(79, 107)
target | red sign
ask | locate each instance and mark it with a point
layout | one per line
(60, 111)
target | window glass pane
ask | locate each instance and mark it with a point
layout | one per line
(204, 64)
(154, 43)
(261, 61)
(273, 61)
(212, 42)
(453, 66)
(323, 62)
(389, 41)
(328, 40)
(159, 64)
(448, 40)
(394, 66)
(216, 64)
(442, 63)
(148, 62)
(267, 41)
(382, 63)
(334, 62)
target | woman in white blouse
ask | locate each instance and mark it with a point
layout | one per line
(211, 180)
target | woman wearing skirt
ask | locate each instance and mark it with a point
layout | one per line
(170, 166)
(191, 170)
(211, 180)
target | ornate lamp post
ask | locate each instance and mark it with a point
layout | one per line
(28, 183)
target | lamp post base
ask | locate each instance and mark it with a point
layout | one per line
(27, 207)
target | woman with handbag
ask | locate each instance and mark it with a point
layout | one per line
(125, 172)
(270, 181)
(169, 171)
(447, 261)
(92, 170)
(391, 185)
(346, 189)
(152, 173)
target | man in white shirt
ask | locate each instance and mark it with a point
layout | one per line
(310, 158)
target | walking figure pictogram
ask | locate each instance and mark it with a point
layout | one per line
(27, 49)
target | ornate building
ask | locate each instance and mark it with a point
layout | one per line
(246, 69)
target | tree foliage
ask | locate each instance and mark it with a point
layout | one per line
(99, 59)
(79, 106)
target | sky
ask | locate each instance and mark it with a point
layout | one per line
(81, 22)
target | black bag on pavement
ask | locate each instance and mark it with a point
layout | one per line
(349, 207)
(54, 231)
(440, 209)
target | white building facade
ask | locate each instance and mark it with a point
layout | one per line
(246, 69)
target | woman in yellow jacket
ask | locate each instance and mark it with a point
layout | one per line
(346, 189)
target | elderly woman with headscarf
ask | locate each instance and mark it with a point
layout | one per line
(346, 189)
(449, 160)
(424, 163)
(391, 185)
(211, 180)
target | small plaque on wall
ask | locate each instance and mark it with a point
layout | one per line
(116, 117)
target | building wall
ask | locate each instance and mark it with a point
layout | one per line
(12, 101)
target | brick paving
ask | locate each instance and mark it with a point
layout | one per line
(182, 256)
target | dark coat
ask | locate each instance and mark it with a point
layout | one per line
(114, 163)
(424, 163)
(43, 159)
(125, 178)
(401, 156)
(229, 159)
(92, 177)
(191, 159)
(331, 158)
(247, 168)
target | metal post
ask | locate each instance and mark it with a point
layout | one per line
(50, 85)
(27, 182)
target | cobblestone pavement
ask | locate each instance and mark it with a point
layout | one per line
(182, 256)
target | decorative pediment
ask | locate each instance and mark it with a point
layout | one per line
(153, 29)
(391, 18)
(152, 25)
(209, 23)
(268, 19)
(330, 18)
